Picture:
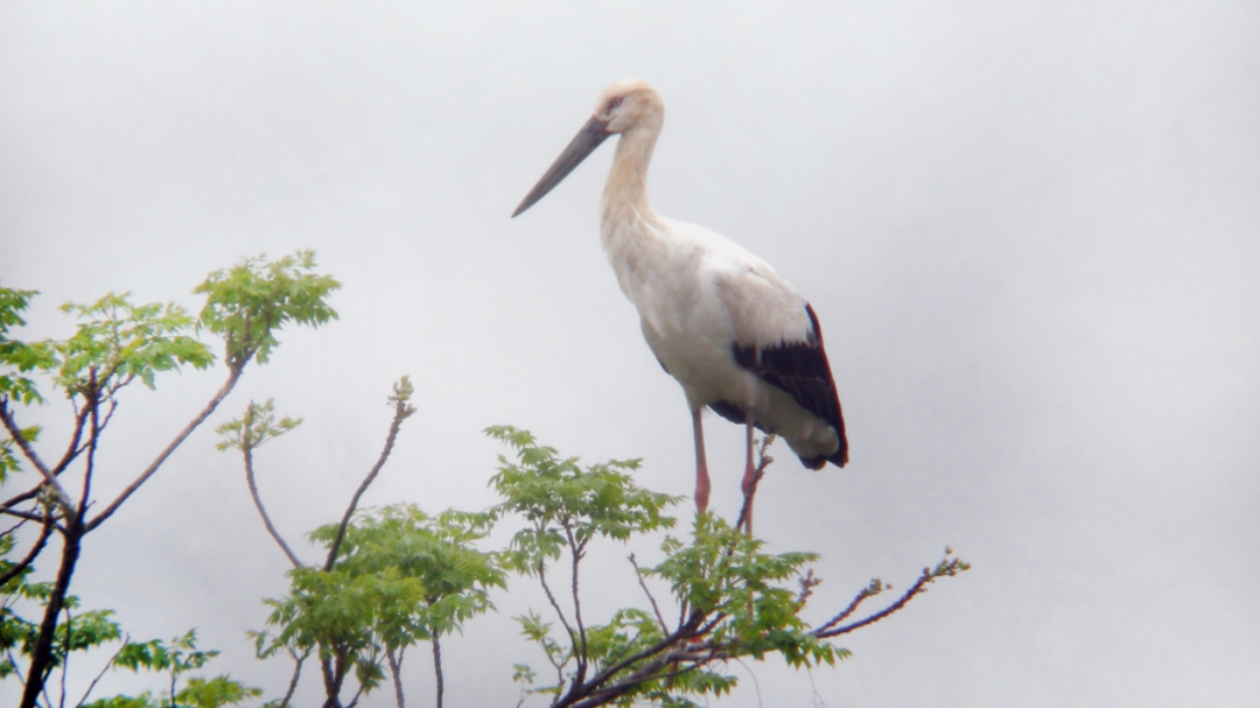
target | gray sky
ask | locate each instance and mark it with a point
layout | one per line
(1030, 232)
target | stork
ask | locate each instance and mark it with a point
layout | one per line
(731, 330)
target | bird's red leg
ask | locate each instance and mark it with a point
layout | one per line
(702, 468)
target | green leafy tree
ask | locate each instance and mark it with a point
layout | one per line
(732, 600)
(392, 577)
(116, 344)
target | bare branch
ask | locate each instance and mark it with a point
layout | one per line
(297, 673)
(577, 551)
(947, 567)
(875, 588)
(247, 451)
(63, 499)
(402, 410)
(542, 578)
(179, 439)
(395, 671)
(108, 665)
(763, 462)
(638, 573)
(28, 515)
(30, 557)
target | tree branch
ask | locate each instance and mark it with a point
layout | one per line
(63, 499)
(297, 673)
(638, 573)
(248, 451)
(875, 588)
(763, 462)
(179, 439)
(402, 410)
(947, 567)
(30, 557)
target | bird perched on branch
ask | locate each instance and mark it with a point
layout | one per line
(720, 320)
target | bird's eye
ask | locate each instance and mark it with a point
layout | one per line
(614, 103)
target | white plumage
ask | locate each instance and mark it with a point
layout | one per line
(720, 320)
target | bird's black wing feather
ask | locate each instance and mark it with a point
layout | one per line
(801, 370)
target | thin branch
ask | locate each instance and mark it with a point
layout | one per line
(108, 665)
(577, 550)
(763, 462)
(73, 450)
(28, 515)
(30, 557)
(542, 578)
(646, 673)
(23, 497)
(947, 567)
(875, 588)
(93, 407)
(437, 671)
(297, 673)
(639, 574)
(65, 659)
(402, 410)
(395, 670)
(28, 450)
(179, 439)
(686, 632)
(248, 451)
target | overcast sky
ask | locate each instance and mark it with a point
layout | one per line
(1031, 232)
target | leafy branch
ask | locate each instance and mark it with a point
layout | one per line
(733, 600)
(115, 344)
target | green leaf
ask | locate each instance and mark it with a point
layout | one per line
(247, 303)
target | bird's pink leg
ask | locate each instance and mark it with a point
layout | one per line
(750, 470)
(702, 468)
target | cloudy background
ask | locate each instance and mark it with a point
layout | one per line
(1031, 232)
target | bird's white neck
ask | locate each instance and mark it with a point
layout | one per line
(625, 194)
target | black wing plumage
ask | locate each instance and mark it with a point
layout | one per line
(801, 370)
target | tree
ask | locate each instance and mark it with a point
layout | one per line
(116, 344)
(391, 577)
(732, 600)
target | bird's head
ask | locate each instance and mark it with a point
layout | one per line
(625, 107)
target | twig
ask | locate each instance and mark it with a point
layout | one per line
(763, 462)
(542, 578)
(947, 567)
(395, 670)
(639, 574)
(108, 665)
(247, 451)
(297, 672)
(875, 588)
(179, 439)
(28, 515)
(402, 410)
(63, 499)
(30, 557)
(437, 669)
(577, 550)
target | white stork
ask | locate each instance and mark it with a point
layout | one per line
(720, 320)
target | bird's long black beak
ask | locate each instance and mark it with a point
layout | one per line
(584, 143)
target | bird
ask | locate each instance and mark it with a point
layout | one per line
(734, 333)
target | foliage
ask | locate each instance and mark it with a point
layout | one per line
(247, 303)
(175, 659)
(115, 343)
(566, 506)
(403, 577)
(732, 600)
(257, 427)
